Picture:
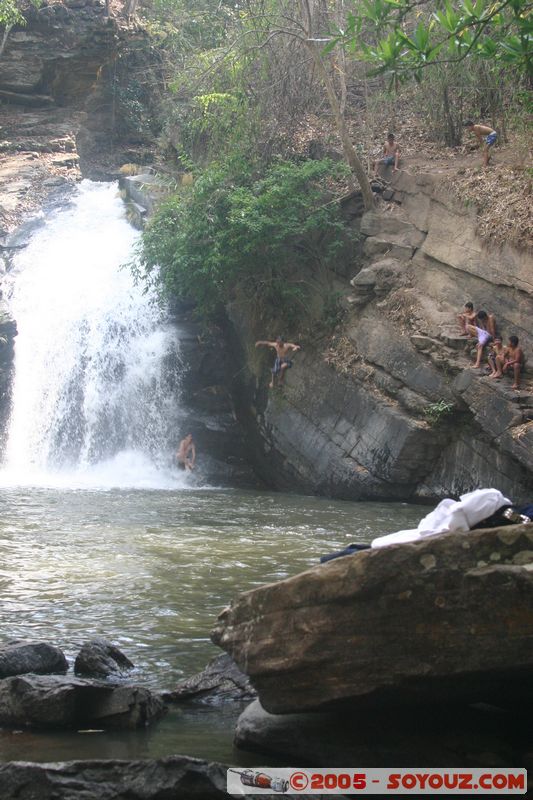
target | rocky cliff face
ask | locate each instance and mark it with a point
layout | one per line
(392, 407)
(62, 101)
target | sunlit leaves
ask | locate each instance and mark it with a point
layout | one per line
(391, 36)
(11, 13)
(239, 228)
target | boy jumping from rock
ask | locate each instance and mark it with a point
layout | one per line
(486, 137)
(282, 362)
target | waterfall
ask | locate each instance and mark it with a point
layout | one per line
(96, 363)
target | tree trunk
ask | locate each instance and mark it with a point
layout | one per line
(4, 39)
(353, 160)
(350, 155)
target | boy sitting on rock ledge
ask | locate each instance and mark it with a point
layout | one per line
(511, 358)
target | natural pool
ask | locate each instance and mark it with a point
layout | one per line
(150, 570)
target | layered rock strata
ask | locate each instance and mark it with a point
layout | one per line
(391, 407)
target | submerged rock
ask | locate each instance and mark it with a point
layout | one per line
(58, 702)
(100, 659)
(221, 681)
(403, 625)
(17, 658)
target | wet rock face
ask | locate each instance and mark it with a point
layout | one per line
(58, 702)
(8, 332)
(17, 658)
(208, 410)
(403, 625)
(101, 659)
(220, 682)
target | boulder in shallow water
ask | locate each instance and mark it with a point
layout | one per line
(220, 682)
(446, 619)
(18, 658)
(58, 702)
(101, 659)
(451, 736)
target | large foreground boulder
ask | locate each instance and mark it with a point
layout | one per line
(58, 702)
(17, 658)
(446, 619)
(172, 778)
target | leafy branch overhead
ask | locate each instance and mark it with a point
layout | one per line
(11, 12)
(403, 37)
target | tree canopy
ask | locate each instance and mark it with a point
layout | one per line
(401, 38)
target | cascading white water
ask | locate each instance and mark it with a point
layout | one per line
(96, 366)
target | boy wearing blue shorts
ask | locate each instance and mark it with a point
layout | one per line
(391, 155)
(486, 137)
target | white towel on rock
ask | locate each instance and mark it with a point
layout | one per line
(450, 515)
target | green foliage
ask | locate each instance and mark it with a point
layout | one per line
(190, 25)
(11, 12)
(436, 413)
(236, 233)
(333, 312)
(402, 37)
(214, 125)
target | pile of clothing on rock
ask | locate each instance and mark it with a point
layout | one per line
(483, 508)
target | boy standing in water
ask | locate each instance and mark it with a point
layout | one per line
(486, 137)
(282, 362)
(186, 454)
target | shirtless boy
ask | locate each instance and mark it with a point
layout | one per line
(512, 358)
(186, 454)
(282, 362)
(496, 349)
(486, 137)
(391, 155)
(468, 317)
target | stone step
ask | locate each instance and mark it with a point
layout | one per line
(29, 100)
(459, 344)
(422, 342)
(66, 160)
(38, 145)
